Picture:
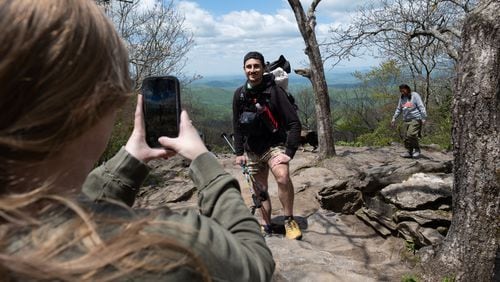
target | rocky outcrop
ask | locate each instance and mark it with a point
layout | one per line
(168, 182)
(411, 200)
(337, 245)
(339, 198)
(417, 209)
(374, 179)
(430, 218)
(419, 235)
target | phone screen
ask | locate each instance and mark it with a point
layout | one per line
(161, 108)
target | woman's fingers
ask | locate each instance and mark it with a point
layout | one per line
(136, 145)
(189, 143)
(138, 116)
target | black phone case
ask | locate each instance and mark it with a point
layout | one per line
(161, 107)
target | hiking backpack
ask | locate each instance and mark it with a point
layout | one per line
(280, 69)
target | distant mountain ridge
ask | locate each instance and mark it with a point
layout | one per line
(339, 78)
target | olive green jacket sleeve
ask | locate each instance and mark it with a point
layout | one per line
(223, 233)
(118, 179)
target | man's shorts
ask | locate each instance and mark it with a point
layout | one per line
(260, 162)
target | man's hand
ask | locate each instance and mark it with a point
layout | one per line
(280, 159)
(241, 160)
(393, 123)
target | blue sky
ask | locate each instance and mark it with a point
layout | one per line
(225, 30)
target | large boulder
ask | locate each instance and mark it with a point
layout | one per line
(420, 191)
(374, 179)
(417, 208)
(338, 199)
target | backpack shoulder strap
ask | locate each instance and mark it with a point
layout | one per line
(242, 101)
(289, 96)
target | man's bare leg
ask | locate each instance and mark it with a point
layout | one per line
(286, 195)
(285, 187)
(261, 179)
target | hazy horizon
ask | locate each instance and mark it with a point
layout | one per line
(337, 76)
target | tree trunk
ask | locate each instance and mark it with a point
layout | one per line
(316, 75)
(468, 251)
(427, 88)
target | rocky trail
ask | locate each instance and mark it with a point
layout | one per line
(349, 233)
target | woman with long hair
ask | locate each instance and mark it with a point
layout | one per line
(63, 75)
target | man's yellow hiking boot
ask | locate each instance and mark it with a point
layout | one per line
(292, 230)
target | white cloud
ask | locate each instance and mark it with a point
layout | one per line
(221, 42)
(237, 24)
(340, 5)
(201, 22)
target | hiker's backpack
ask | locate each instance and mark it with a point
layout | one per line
(280, 69)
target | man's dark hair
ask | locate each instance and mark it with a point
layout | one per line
(254, 55)
(405, 86)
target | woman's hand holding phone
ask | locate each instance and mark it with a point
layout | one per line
(136, 144)
(189, 143)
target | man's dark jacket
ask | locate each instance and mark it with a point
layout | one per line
(288, 134)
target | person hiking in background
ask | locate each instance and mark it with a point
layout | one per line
(414, 116)
(266, 128)
(64, 73)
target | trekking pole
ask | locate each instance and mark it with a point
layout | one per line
(258, 195)
(223, 135)
(252, 185)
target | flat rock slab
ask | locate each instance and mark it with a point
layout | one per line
(337, 248)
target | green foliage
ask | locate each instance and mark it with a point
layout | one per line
(210, 109)
(409, 278)
(410, 246)
(382, 135)
(304, 98)
(440, 133)
(350, 144)
(219, 100)
(448, 279)
(438, 128)
(362, 115)
(119, 137)
(359, 112)
(381, 79)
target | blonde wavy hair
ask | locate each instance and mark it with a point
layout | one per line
(62, 68)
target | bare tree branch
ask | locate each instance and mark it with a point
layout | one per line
(156, 37)
(397, 19)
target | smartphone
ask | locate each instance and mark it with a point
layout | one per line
(161, 108)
